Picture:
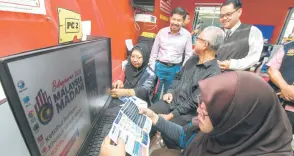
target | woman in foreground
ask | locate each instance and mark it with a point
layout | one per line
(241, 116)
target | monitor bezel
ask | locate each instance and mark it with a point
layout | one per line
(152, 1)
(12, 94)
(143, 6)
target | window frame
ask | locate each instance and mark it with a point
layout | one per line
(197, 8)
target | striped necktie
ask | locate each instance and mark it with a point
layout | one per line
(228, 34)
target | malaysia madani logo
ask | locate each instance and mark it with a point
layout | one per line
(44, 108)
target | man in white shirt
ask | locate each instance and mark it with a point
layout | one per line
(171, 49)
(243, 44)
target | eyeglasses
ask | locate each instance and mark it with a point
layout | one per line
(136, 48)
(208, 43)
(227, 15)
(197, 38)
(199, 104)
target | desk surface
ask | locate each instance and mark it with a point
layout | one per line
(2, 95)
(11, 142)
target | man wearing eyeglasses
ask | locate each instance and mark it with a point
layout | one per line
(281, 76)
(243, 44)
(180, 102)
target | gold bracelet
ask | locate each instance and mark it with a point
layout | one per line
(129, 92)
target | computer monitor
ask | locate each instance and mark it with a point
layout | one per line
(144, 2)
(56, 93)
(146, 5)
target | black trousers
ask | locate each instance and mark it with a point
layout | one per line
(291, 118)
(161, 107)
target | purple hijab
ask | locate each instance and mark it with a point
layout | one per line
(247, 117)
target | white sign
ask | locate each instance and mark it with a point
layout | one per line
(86, 27)
(26, 6)
(129, 44)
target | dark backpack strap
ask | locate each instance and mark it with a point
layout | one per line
(184, 54)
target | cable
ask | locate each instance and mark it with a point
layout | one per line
(136, 25)
(152, 27)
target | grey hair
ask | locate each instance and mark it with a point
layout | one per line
(214, 35)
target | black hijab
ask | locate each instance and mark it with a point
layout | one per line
(132, 73)
(247, 117)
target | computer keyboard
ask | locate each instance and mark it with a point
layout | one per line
(99, 135)
(130, 109)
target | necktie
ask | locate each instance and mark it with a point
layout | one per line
(228, 34)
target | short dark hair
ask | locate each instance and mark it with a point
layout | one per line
(237, 3)
(180, 11)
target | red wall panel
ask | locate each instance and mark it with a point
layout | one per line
(111, 18)
(267, 12)
(114, 18)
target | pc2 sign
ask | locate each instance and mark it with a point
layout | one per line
(69, 26)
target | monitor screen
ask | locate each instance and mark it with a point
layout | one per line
(144, 2)
(61, 91)
(147, 5)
